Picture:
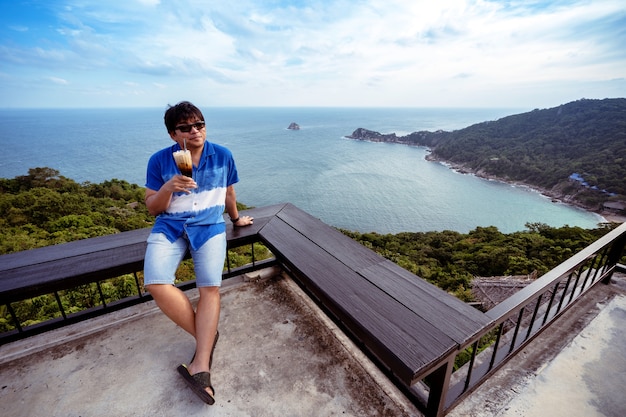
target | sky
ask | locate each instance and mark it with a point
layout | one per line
(331, 53)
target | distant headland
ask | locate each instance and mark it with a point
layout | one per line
(575, 153)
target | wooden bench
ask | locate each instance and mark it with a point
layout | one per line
(409, 326)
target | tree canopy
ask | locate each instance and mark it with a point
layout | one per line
(45, 208)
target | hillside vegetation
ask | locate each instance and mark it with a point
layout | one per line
(575, 152)
(451, 260)
(44, 208)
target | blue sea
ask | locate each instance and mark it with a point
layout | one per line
(362, 186)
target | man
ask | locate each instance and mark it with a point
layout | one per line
(189, 216)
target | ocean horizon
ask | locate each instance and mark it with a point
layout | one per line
(356, 185)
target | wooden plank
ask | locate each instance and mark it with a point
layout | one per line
(333, 241)
(65, 273)
(455, 318)
(238, 236)
(71, 249)
(445, 311)
(402, 340)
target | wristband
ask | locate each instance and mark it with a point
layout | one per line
(234, 220)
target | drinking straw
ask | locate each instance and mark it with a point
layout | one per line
(185, 143)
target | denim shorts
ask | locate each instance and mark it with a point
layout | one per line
(163, 257)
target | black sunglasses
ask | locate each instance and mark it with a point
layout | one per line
(187, 128)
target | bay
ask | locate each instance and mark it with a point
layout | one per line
(363, 186)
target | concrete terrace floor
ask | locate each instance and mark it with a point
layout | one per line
(278, 355)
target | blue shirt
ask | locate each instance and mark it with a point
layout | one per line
(198, 214)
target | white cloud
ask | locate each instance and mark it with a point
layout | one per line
(380, 52)
(19, 28)
(57, 80)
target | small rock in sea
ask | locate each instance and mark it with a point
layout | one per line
(294, 126)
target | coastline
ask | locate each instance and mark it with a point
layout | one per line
(613, 218)
(609, 217)
(372, 136)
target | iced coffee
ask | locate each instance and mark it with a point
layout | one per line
(183, 161)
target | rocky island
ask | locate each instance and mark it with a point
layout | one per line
(294, 126)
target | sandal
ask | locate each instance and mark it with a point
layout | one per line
(202, 380)
(198, 384)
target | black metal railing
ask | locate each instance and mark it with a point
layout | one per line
(521, 317)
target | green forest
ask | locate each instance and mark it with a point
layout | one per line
(576, 151)
(44, 208)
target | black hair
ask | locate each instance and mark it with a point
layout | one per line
(182, 111)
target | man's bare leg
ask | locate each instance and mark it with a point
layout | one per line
(175, 304)
(207, 318)
(201, 324)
